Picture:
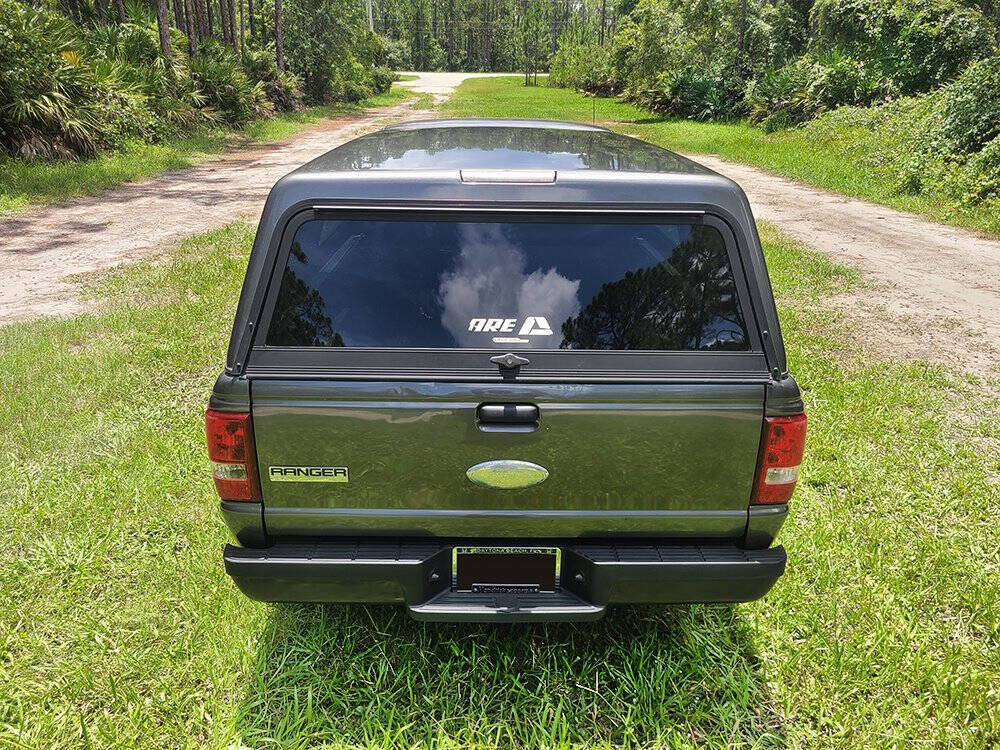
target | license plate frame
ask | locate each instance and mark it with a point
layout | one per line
(497, 569)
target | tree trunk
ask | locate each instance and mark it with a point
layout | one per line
(488, 41)
(253, 24)
(120, 10)
(101, 10)
(204, 28)
(210, 18)
(234, 39)
(194, 19)
(163, 24)
(451, 34)
(224, 21)
(604, 15)
(279, 37)
(242, 29)
(189, 28)
(525, 51)
(178, 15)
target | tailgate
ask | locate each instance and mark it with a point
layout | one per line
(393, 457)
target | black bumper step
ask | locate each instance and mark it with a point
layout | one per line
(418, 573)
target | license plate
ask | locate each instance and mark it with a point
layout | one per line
(498, 569)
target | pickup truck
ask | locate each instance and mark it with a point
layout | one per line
(505, 370)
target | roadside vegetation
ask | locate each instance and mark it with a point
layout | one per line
(907, 88)
(128, 91)
(30, 182)
(858, 151)
(119, 628)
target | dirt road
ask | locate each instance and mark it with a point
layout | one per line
(39, 249)
(939, 291)
(441, 85)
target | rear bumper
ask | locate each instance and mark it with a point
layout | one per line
(418, 574)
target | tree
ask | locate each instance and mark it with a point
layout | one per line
(279, 37)
(450, 23)
(532, 39)
(179, 21)
(685, 302)
(234, 40)
(163, 24)
(190, 28)
(224, 21)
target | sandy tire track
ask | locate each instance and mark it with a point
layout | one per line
(938, 291)
(39, 249)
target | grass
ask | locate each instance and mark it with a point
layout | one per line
(119, 628)
(28, 183)
(841, 154)
(406, 77)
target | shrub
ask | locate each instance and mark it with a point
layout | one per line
(809, 86)
(780, 97)
(225, 86)
(586, 67)
(981, 175)
(836, 79)
(283, 90)
(683, 93)
(971, 116)
(397, 54)
(335, 64)
(916, 44)
(932, 41)
(350, 83)
(54, 101)
(382, 78)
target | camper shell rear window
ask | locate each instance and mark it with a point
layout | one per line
(534, 283)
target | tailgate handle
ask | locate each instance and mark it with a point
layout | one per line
(507, 416)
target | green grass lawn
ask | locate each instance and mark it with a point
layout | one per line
(119, 628)
(26, 183)
(845, 158)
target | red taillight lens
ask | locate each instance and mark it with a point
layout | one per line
(230, 448)
(781, 449)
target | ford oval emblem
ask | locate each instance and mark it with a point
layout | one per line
(507, 474)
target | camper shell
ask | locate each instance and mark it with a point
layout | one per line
(521, 463)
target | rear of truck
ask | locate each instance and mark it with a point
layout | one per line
(507, 414)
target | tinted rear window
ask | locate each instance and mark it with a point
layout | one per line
(513, 285)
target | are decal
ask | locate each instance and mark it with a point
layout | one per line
(533, 325)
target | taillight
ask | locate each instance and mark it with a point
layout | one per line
(230, 448)
(781, 449)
